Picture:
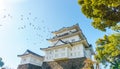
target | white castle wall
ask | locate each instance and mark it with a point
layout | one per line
(25, 59)
(65, 52)
(32, 60)
(76, 51)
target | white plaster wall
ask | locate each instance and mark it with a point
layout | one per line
(49, 55)
(65, 52)
(25, 59)
(88, 53)
(35, 60)
(60, 53)
(56, 53)
(76, 51)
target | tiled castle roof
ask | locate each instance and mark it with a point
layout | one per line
(27, 52)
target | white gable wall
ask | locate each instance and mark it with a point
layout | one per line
(36, 60)
(32, 60)
(25, 59)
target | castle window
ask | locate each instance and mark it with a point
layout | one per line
(49, 57)
(50, 52)
(24, 60)
(63, 54)
(75, 53)
(46, 57)
(71, 54)
(56, 55)
(78, 47)
(79, 53)
(63, 49)
(85, 54)
(56, 50)
(74, 48)
(70, 49)
(34, 60)
(73, 40)
(67, 41)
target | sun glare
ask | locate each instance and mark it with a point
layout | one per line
(2, 4)
(7, 3)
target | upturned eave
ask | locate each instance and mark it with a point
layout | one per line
(67, 45)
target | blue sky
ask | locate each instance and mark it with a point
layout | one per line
(26, 24)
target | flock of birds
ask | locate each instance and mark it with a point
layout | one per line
(39, 29)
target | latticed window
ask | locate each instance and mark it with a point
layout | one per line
(71, 54)
(24, 60)
(63, 49)
(56, 55)
(73, 40)
(63, 54)
(56, 50)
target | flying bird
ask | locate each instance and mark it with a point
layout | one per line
(0, 25)
(27, 18)
(21, 18)
(29, 13)
(4, 16)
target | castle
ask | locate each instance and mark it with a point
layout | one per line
(69, 48)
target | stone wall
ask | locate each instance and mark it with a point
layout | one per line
(76, 63)
(28, 66)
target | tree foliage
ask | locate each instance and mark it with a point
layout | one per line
(88, 64)
(116, 28)
(1, 62)
(104, 13)
(108, 50)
